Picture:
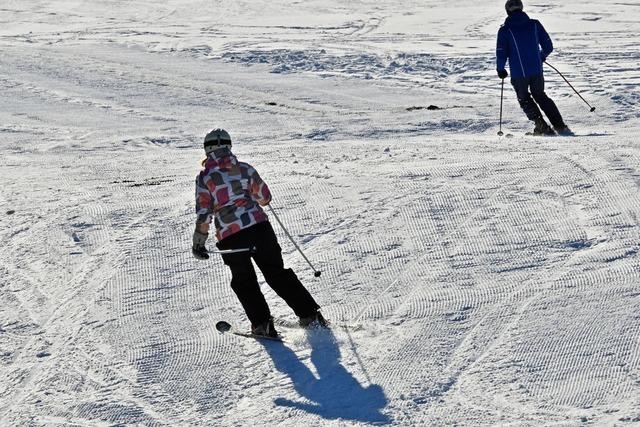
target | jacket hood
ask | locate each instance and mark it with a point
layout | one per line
(516, 18)
(221, 158)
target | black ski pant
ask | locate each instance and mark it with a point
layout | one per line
(268, 257)
(528, 101)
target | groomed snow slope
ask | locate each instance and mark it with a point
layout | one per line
(471, 280)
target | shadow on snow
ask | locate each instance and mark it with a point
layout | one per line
(335, 393)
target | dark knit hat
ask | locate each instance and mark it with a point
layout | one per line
(513, 6)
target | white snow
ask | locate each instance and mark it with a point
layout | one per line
(471, 279)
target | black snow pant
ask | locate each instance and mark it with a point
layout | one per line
(522, 85)
(268, 258)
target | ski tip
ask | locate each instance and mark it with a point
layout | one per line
(223, 326)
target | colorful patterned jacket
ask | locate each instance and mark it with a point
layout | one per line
(230, 192)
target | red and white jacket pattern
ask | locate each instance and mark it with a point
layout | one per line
(230, 192)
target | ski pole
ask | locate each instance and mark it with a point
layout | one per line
(500, 133)
(316, 273)
(592, 109)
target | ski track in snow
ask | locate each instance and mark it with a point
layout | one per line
(472, 280)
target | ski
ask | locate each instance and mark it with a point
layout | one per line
(284, 323)
(555, 135)
(535, 134)
(510, 135)
(291, 324)
(225, 327)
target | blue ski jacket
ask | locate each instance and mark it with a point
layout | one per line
(525, 43)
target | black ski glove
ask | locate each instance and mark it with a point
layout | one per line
(503, 73)
(199, 250)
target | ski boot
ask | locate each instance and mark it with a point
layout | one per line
(315, 320)
(265, 329)
(563, 130)
(542, 128)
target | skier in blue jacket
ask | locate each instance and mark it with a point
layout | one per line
(525, 44)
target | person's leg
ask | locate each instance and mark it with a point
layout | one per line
(521, 86)
(546, 104)
(244, 281)
(282, 280)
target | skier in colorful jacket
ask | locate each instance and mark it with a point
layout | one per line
(526, 44)
(231, 194)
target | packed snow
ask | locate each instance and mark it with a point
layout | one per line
(470, 279)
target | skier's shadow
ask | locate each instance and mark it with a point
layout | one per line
(336, 394)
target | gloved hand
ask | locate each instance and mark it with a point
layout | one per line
(264, 202)
(503, 73)
(199, 250)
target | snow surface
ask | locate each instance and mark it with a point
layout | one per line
(471, 279)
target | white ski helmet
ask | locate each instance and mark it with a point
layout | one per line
(513, 5)
(215, 139)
